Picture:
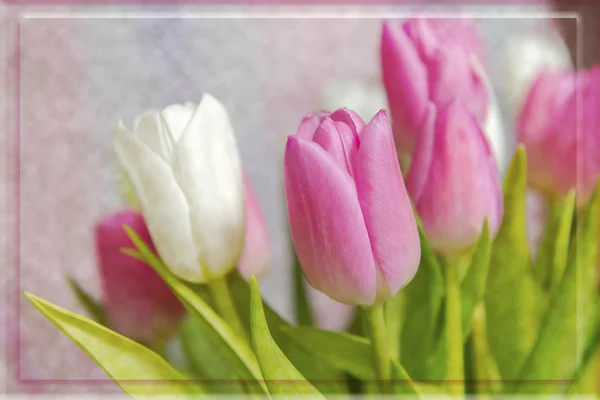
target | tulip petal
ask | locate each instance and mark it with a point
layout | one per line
(309, 124)
(419, 170)
(351, 118)
(405, 80)
(162, 204)
(327, 224)
(463, 186)
(256, 258)
(451, 76)
(138, 303)
(177, 117)
(386, 208)
(208, 170)
(419, 30)
(150, 130)
(337, 139)
(492, 126)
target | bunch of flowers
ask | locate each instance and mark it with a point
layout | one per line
(405, 218)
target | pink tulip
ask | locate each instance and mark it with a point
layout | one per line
(137, 301)
(560, 128)
(431, 60)
(351, 220)
(454, 181)
(256, 255)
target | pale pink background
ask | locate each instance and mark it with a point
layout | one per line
(79, 76)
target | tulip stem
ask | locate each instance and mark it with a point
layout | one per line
(454, 335)
(225, 307)
(376, 332)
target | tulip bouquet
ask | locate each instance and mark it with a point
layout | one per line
(407, 219)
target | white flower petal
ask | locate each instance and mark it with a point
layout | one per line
(150, 130)
(208, 170)
(177, 117)
(163, 205)
(525, 57)
(492, 127)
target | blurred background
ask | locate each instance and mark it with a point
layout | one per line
(77, 70)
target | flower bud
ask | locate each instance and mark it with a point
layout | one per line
(560, 128)
(454, 181)
(431, 60)
(138, 303)
(184, 165)
(351, 220)
(256, 256)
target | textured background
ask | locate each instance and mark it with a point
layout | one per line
(79, 76)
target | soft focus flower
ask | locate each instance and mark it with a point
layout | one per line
(431, 60)
(560, 128)
(453, 180)
(351, 220)
(256, 256)
(184, 165)
(525, 57)
(138, 303)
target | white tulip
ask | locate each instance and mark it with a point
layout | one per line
(525, 57)
(184, 166)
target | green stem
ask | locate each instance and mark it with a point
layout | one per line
(225, 307)
(454, 336)
(484, 366)
(376, 331)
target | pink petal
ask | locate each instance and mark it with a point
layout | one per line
(386, 208)
(138, 303)
(351, 118)
(451, 76)
(327, 225)
(424, 39)
(405, 80)
(337, 139)
(419, 169)
(462, 185)
(309, 124)
(256, 256)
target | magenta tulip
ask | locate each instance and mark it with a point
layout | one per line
(351, 220)
(560, 128)
(431, 60)
(256, 256)
(454, 181)
(138, 303)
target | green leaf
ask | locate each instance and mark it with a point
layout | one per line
(234, 350)
(205, 360)
(560, 345)
(347, 352)
(424, 316)
(512, 296)
(485, 377)
(585, 377)
(93, 308)
(326, 378)
(551, 260)
(473, 285)
(124, 361)
(402, 383)
(281, 376)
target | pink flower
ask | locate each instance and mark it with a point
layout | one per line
(137, 302)
(560, 128)
(256, 256)
(351, 220)
(431, 60)
(454, 181)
